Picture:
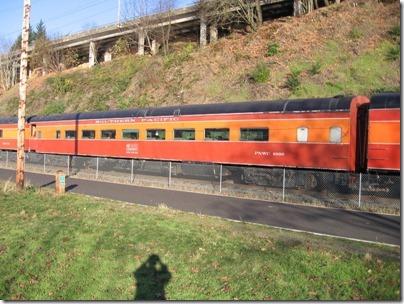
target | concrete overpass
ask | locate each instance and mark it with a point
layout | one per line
(92, 46)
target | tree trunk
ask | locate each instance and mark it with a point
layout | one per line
(259, 13)
(23, 94)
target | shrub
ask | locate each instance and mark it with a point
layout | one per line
(54, 108)
(355, 34)
(273, 48)
(293, 81)
(315, 68)
(179, 57)
(260, 73)
(60, 84)
(395, 32)
(70, 58)
(393, 52)
(121, 47)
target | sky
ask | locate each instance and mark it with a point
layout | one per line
(63, 17)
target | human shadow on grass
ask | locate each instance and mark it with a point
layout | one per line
(151, 278)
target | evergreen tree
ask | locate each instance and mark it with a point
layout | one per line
(40, 32)
(17, 44)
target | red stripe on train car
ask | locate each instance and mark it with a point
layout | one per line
(384, 114)
(304, 155)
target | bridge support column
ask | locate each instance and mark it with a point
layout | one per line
(202, 37)
(213, 33)
(140, 47)
(297, 8)
(107, 56)
(92, 56)
(155, 47)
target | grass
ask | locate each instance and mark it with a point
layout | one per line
(99, 88)
(74, 247)
(371, 72)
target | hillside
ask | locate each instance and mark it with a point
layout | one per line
(349, 48)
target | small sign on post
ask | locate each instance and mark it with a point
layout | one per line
(60, 182)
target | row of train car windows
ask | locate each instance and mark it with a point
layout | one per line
(246, 134)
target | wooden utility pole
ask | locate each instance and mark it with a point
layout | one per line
(23, 94)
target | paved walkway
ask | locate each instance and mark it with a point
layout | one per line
(335, 222)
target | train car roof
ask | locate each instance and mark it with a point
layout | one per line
(385, 101)
(12, 119)
(282, 106)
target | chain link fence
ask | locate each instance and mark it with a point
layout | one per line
(370, 192)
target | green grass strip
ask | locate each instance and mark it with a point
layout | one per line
(73, 247)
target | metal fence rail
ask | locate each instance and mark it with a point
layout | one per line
(370, 192)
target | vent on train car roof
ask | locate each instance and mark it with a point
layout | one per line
(318, 104)
(220, 108)
(9, 120)
(386, 101)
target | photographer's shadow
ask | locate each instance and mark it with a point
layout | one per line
(151, 278)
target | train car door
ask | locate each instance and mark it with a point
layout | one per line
(362, 137)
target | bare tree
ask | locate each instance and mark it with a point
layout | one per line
(152, 21)
(45, 54)
(223, 13)
(9, 61)
(164, 17)
(138, 14)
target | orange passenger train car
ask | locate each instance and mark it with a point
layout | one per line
(384, 133)
(318, 133)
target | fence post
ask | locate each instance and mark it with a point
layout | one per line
(283, 186)
(7, 159)
(96, 172)
(169, 175)
(360, 188)
(44, 163)
(221, 174)
(131, 171)
(68, 165)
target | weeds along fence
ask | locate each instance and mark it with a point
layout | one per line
(369, 192)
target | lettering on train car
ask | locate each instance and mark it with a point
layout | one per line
(263, 153)
(112, 121)
(159, 119)
(131, 148)
(267, 153)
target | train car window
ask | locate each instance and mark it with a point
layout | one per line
(39, 134)
(108, 134)
(254, 134)
(184, 134)
(88, 134)
(33, 130)
(57, 134)
(335, 134)
(217, 134)
(158, 134)
(70, 134)
(1, 133)
(130, 134)
(302, 134)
